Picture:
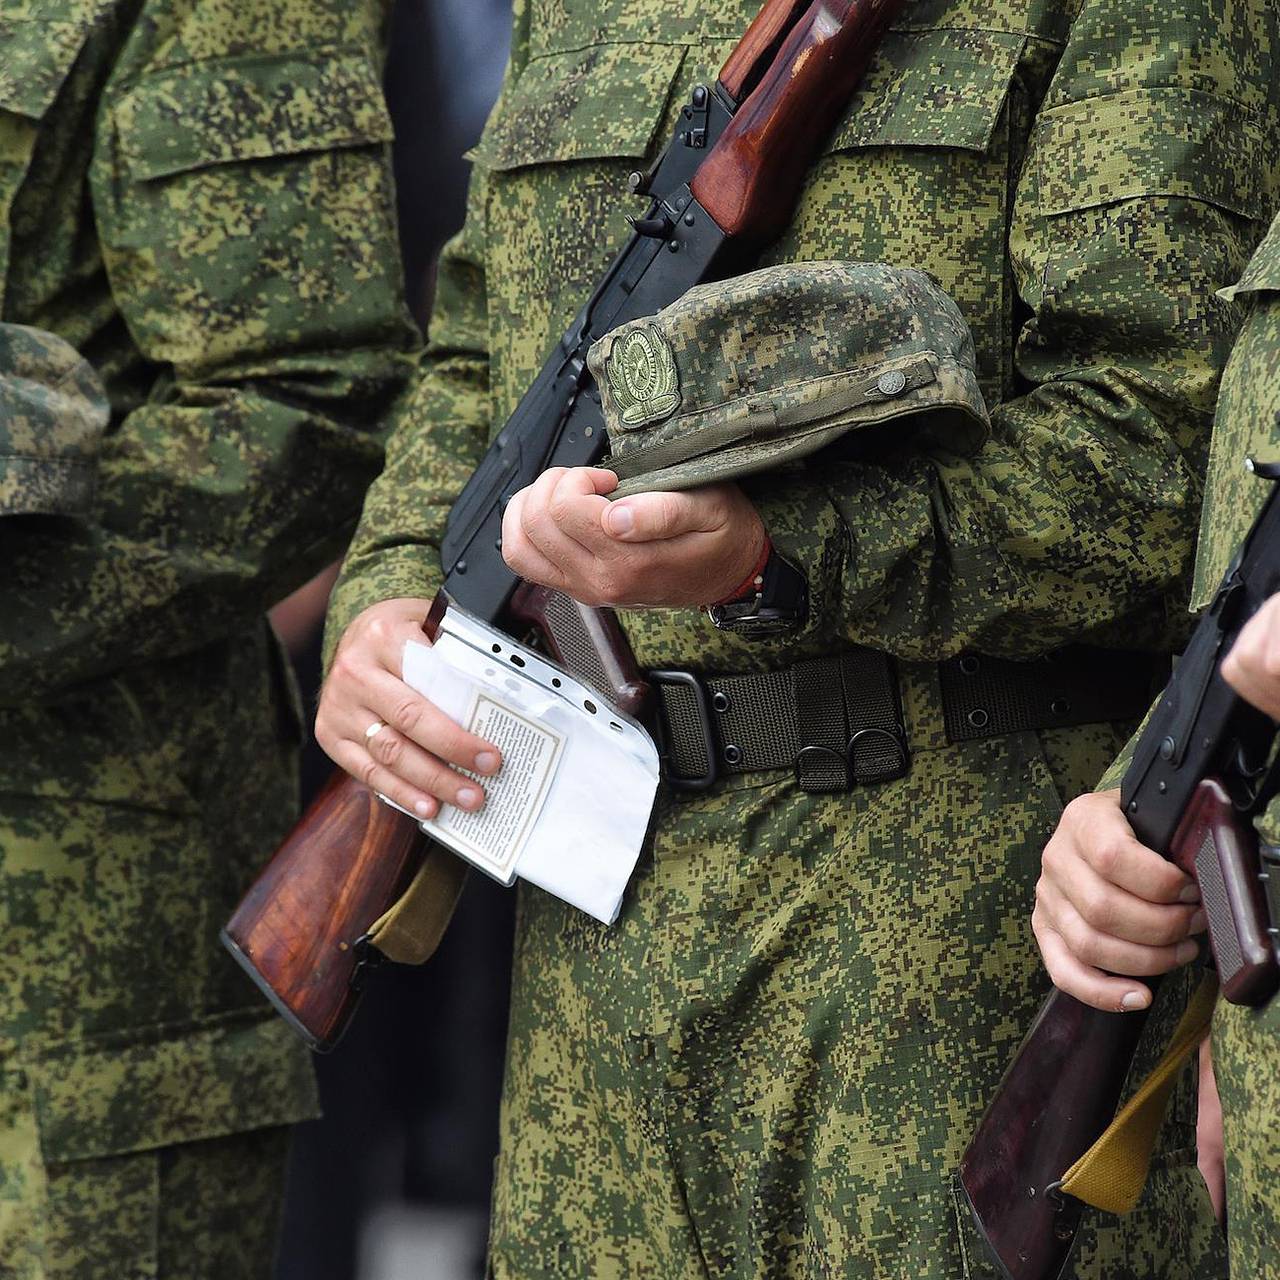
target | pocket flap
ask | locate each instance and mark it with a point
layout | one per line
(152, 1088)
(597, 103)
(38, 55)
(938, 88)
(248, 109)
(1150, 142)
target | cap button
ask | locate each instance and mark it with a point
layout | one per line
(891, 383)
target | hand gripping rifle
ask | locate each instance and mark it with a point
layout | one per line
(1201, 771)
(726, 185)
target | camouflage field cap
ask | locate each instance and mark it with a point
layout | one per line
(53, 412)
(744, 374)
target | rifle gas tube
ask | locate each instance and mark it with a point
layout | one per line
(725, 185)
(1199, 774)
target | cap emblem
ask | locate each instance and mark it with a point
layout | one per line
(643, 378)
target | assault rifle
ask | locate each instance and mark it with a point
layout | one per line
(725, 186)
(1201, 771)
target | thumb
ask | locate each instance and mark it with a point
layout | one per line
(651, 517)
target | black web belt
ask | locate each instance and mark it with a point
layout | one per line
(838, 721)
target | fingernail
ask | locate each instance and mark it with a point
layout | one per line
(1186, 952)
(486, 762)
(422, 809)
(1133, 1000)
(469, 798)
(1190, 894)
(621, 520)
(1198, 921)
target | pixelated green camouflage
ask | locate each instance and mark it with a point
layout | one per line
(746, 374)
(53, 412)
(195, 198)
(770, 1064)
(1246, 1042)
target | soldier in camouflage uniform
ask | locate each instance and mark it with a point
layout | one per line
(770, 1064)
(1145, 920)
(201, 327)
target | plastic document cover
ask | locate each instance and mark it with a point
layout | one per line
(571, 805)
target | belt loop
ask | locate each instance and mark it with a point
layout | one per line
(877, 746)
(821, 763)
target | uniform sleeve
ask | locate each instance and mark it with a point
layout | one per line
(244, 211)
(1077, 519)
(440, 437)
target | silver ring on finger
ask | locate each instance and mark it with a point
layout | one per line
(373, 730)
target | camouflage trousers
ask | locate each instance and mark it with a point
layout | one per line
(770, 1065)
(1246, 1057)
(196, 1211)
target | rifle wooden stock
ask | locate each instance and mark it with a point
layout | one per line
(1059, 1093)
(298, 931)
(750, 180)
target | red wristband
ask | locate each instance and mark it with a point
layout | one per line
(753, 582)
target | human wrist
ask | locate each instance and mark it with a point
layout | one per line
(751, 583)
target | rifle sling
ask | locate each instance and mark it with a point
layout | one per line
(1111, 1174)
(410, 931)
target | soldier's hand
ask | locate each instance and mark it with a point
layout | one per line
(1108, 905)
(384, 733)
(662, 549)
(1252, 668)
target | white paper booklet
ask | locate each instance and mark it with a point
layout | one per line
(571, 805)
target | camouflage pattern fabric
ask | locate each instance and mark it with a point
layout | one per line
(201, 314)
(771, 1063)
(744, 375)
(53, 412)
(1246, 1042)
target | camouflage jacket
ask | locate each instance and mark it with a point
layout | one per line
(196, 198)
(1247, 425)
(1080, 175)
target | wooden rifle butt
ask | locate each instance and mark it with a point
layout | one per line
(1060, 1092)
(300, 930)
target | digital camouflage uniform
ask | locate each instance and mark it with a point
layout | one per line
(1246, 1042)
(201, 328)
(770, 1064)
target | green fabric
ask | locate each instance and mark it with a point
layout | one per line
(53, 412)
(215, 290)
(797, 356)
(770, 1064)
(197, 1211)
(1246, 1042)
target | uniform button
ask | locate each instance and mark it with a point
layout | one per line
(891, 383)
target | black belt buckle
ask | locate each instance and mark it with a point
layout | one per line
(683, 782)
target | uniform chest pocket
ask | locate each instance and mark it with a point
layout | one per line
(555, 159)
(234, 205)
(38, 57)
(919, 172)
